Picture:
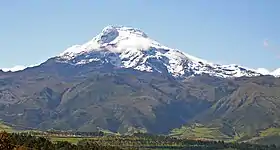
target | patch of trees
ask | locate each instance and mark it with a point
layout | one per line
(77, 133)
(23, 141)
(149, 141)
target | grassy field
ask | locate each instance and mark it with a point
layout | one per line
(267, 136)
(199, 132)
(73, 140)
(270, 132)
(6, 128)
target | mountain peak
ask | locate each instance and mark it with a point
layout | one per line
(110, 33)
(116, 29)
(120, 37)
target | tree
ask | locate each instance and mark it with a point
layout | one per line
(5, 142)
(21, 148)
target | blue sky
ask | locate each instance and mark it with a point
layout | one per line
(218, 30)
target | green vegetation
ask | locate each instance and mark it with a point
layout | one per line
(6, 128)
(267, 136)
(23, 141)
(199, 132)
(270, 132)
(73, 140)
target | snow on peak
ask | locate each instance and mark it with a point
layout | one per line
(18, 68)
(129, 47)
(14, 69)
(107, 35)
(116, 30)
(263, 71)
(120, 37)
(276, 72)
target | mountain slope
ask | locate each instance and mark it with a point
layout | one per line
(115, 100)
(251, 107)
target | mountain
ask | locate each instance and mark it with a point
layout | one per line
(125, 47)
(124, 81)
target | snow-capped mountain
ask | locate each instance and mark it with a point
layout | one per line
(127, 47)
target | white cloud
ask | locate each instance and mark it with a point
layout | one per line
(265, 43)
(135, 43)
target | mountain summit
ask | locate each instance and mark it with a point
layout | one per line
(127, 47)
(116, 39)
